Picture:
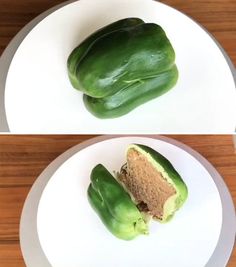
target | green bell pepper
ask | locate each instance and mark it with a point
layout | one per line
(126, 100)
(114, 205)
(122, 66)
(78, 53)
(164, 166)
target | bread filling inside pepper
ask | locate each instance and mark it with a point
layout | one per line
(149, 188)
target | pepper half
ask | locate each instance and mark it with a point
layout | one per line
(114, 205)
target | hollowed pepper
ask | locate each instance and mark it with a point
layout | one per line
(114, 205)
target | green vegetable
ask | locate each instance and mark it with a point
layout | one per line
(163, 165)
(126, 100)
(114, 205)
(78, 53)
(122, 66)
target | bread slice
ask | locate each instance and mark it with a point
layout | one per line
(153, 182)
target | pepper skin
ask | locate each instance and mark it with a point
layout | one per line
(78, 53)
(114, 206)
(122, 66)
(131, 97)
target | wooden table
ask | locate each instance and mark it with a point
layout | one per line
(23, 158)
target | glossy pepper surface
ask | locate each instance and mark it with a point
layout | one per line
(126, 100)
(114, 205)
(79, 52)
(122, 66)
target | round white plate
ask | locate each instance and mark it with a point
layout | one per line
(39, 97)
(70, 231)
(56, 215)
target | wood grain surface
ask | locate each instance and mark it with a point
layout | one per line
(218, 17)
(23, 158)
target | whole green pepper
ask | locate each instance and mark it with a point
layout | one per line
(114, 205)
(122, 66)
(131, 97)
(122, 57)
(78, 53)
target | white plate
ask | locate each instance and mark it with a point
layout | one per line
(71, 234)
(39, 97)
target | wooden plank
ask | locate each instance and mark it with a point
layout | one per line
(22, 161)
(11, 204)
(10, 255)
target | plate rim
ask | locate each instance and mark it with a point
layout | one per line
(10, 51)
(28, 222)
